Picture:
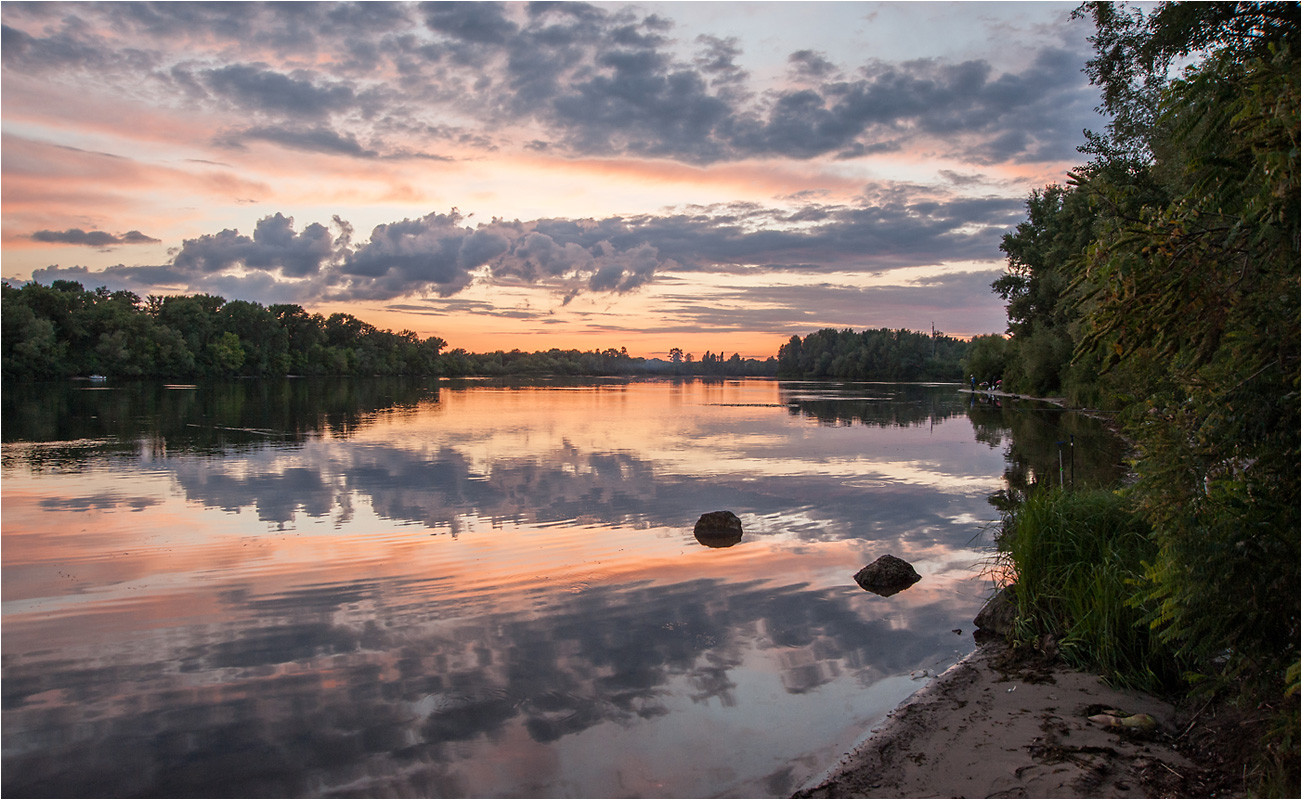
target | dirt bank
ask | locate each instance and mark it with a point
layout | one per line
(998, 726)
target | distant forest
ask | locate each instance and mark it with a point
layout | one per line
(65, 330)
(874, 355)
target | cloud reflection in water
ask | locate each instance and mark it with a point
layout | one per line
(336, 646)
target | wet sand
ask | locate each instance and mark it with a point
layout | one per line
(993, 726)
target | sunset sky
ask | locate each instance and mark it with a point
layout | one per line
(710, 176)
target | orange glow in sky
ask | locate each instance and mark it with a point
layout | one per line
(703, 176)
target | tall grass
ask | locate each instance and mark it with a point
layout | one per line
(1077, 559)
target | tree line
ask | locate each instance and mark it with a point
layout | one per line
(64, 330)
(873, 355)
(1161, 282)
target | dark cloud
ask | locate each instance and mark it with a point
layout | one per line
(893, 226)
(412, 256)
(597, 82)
(273, 246)
(810, 64)
(318, 139)
(255, 88)
(69, 45)
(93, 238)
(718, 60)
(480, 23)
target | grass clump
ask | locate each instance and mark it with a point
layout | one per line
(1077, 560)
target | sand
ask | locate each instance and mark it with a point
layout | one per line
(993, 726)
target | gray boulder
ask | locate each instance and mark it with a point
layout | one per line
(718, 529)
(887, 576)
(998, 614)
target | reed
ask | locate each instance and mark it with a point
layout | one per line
(1077, 560)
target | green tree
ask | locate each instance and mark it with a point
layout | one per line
(225, 353)
(31, 347)
(305, 337)
(986, 357)
(1044, 255)
(263, 339)
(1199, 298)
(1171, 266)
(195, 318)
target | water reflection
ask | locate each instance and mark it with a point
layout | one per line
(1046, 443)
(386, 588)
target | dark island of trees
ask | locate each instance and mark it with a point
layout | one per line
(873, 355)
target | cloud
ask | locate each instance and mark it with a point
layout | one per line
(892, 226)
(810, 64)
(255, 88)
(93, 238)
(412, 256)
(317, 139)
(273, 246)
(479, 23)
(569, 77)
(959, 303)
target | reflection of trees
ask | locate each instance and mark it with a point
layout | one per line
(304, 692)
(1034, 432)
(208, 418)
(876, 405)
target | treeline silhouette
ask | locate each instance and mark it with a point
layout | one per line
(458, 363)
(879, 354)
(65, 330)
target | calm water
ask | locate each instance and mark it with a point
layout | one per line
(481, 589)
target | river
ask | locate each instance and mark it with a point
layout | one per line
(487, 588)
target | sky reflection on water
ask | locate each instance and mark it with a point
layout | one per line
(476, 589)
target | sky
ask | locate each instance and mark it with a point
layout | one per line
(709, 176)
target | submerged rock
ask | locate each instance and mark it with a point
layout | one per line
(718, 529)
(887, 576)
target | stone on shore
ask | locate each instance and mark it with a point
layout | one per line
(887, 575)
(998, 614)
(718, 529)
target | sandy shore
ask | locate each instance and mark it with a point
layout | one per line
(992, 726)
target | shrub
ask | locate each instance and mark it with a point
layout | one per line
(1078, 562)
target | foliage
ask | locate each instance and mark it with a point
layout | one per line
(544, 362)
(1040, 253)
(1076, 559)
(1199, 297)
(1181, 304)
(873, 355)
(62, 330)
(987, 358)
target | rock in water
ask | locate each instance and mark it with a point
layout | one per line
(887, 575)
(718, 529)
(998, 614)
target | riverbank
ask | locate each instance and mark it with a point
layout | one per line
(1057, 401)
(999, 725)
